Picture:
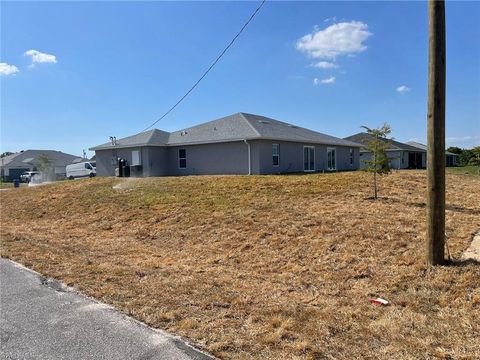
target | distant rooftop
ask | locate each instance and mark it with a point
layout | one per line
(363, 138)
(424, 147)
(33, 157)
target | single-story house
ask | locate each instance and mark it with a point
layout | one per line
(14, 165)
(402, 156)
(451, 159)
(237, 144)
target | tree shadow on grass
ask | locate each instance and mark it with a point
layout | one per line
(461, 262)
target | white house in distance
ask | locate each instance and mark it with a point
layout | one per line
(12, 166)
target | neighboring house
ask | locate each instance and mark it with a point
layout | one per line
(236, 144)
(451, 159)
(402, 156)
(12, 166)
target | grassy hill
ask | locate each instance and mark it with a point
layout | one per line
(265, 267)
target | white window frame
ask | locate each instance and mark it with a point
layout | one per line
(183, 158)
(335, 165)
(352, 156)
(303, 158)
(277, 155)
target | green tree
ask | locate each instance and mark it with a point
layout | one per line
(475, 159)
(465, 156)
(6, 153)
(377, 146)
(455, 150)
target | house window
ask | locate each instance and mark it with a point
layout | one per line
(136, 158)
(182, 158)
(331, 159)
(351, 156)
(275, 154)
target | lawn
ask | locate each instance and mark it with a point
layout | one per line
(264, 267)
(9, 185)
(465, 170)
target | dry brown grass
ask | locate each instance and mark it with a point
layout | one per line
(274, 267)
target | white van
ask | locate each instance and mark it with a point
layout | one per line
(83, 169)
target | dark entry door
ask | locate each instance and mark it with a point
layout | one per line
(414, 160)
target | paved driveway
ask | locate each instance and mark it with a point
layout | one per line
(42, 319)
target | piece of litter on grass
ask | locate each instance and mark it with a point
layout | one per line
(379, 301)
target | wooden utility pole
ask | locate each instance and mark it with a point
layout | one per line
(436, 134)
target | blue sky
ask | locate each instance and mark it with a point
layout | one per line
(112, 68)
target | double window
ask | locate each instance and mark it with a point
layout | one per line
(182, 158)
(275, 154)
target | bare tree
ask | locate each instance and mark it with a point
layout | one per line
(378, 145)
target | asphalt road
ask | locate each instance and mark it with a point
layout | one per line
(42, 319)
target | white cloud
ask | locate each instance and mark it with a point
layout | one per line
(330, 80)
(330, 19)
(7, 69)
(403, 89)
(344, 38)
(39, 57)
(325, 65)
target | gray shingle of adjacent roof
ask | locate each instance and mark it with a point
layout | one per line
(236, 127)
(268, 128)
(424, 147)
(229, 128)
(32, 157)
(363, 138)
(152, 137)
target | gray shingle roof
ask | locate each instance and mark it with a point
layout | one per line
(32, 157)
(424, 147)
(278, 130)
(153, 137)
(364, 138)
(236, 127)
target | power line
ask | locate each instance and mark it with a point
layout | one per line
(210, 67)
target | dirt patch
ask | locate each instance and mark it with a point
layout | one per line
(267, 267)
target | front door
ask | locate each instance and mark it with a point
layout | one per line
(308, 158)
(331, 159)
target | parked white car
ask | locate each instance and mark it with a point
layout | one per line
(79, 170)
(27, 176)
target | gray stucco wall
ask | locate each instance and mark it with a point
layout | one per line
(225, 158)
(155, 161)
(210, 159)
(105, 166)
(291, 157)
(395, 157)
